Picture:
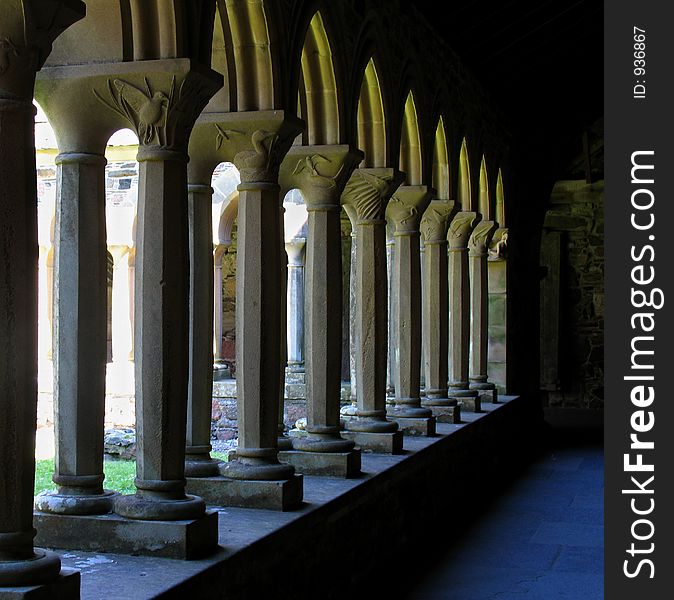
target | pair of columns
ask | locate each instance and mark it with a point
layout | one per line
(161, 283)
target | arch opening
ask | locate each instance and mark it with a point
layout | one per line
(410, 144)
(371, 119)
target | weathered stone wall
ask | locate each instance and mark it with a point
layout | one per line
(572, 297)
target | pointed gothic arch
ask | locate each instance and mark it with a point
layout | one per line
(410, 143)
(441, 176)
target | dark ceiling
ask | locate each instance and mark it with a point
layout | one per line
(540, 61)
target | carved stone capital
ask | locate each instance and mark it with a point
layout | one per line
(368, 192)
(461, 228)
(498, 247)
(256, 142)
(407, 207)
(436, 220)
(161, 107)
(159, 99)
(482, 234)
(28, 29)
(319, 172)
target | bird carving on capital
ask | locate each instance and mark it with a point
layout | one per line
(151, 109)
(308, 166)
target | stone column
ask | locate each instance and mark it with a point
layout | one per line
(121, 369)
(283, 441)
(390, 271)
(258, 323)
(458, 235)
(25, 45)
(255, 142)
(198, 461)
(295, 309)
(368, 192)
(479, 305)
(218, 254)
(161, 286)
(320, 173)
(422, 261)
(498, 309)
(435, 310)
(353, 300)
(80, 309)
(45, 339)
(404, 214)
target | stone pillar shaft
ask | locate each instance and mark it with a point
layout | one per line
(81, 335)
(258, 332)
(200, 383)
(367, 194)
(479, 302)
(390, 270)
(218, 254)
(404, 214)
(295, 303)
(459, 233)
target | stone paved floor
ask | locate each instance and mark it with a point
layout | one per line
(542, 539)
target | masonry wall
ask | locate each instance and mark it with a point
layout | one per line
(572, 297)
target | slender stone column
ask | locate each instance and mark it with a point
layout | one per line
(368, 191)
(295, 305)
(392, 345)
(81, 334)
(218, 254)
(283, 441)
(198, 461)
(25, 49)
(320, 173)
(258, 314)
(404, 214)
(479, 305)
(458, 235)
(45, 339)
(162, 288)
(121, 369)
(353, 300)
(435, 310)
(422, 261)
(255, 142)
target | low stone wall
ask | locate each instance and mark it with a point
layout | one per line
(224, 418)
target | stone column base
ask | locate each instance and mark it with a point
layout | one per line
(283, 495)
(488, 396)
(64, 587)
(445, 414)
(323, 464)
(473, 404)
(415, 425)
(381, 443)
(185, 540)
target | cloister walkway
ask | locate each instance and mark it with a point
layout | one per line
(542, 539)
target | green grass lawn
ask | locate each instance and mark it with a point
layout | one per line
(119, 474)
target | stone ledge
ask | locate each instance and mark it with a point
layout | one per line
(400, 502)
(112, 533)
(65, 587)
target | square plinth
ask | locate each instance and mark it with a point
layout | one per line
(286, 494)
(323, 464)
(415, 426)
(187, 539)
(446, 414)
(65, 587)
(488, 396)
(380, 443)
(471, 404)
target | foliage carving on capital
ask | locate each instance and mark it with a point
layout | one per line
(461, 227)
(366, 192)
(435, 222)
(162, 119)
(481, 237)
